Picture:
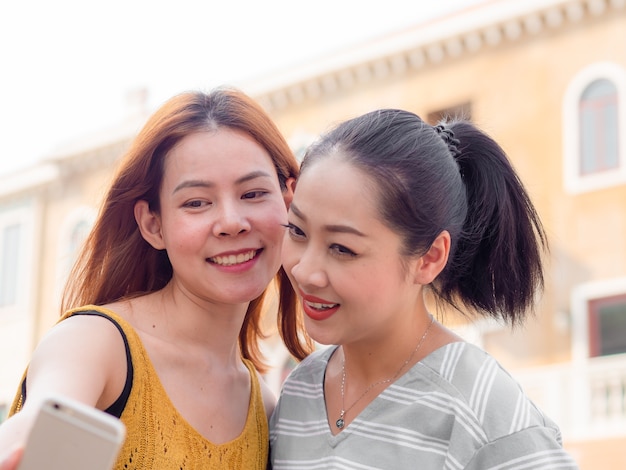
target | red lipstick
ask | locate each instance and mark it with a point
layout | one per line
(318, 309)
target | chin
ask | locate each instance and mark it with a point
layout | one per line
(254, 294)
(319, 335)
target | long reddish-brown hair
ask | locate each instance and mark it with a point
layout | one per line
(117, 263)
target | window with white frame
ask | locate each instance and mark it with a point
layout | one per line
(607, 325)
(599, 319)
(16, 254)
(73, 232)
(594, 126)
(9, 263)
(598, 128)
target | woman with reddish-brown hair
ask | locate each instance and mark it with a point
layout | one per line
(161, 313)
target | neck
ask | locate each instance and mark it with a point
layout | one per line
(373, 360)
(178, 319)
(374, 387)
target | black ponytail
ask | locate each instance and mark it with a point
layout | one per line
(496, 267)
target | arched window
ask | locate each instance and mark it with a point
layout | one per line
(594, 129)
(72, 233)
(598, 127)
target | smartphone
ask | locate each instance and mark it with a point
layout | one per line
(69, 435)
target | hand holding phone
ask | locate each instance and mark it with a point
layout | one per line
(69, 435)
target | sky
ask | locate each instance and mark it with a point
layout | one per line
(68, 65)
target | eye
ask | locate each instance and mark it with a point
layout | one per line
(254, 194)
(295, 232)
(341, 250)
(196, 204)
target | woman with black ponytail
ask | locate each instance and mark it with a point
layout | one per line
(390, 212)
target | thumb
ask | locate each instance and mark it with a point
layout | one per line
(11, 461)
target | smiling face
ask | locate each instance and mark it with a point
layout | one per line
(221, 211)
(343, 260)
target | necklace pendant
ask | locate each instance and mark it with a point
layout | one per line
(340, 423)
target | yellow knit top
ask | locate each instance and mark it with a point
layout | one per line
(157, 436)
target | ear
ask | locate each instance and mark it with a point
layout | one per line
(431, 263)
(288, 192)
(149, 224)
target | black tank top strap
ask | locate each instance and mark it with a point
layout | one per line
(118, 406)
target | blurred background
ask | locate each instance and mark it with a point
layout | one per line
(546, 78)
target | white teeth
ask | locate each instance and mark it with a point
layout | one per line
(233, 259)
(321, 306)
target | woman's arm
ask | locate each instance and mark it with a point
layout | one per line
(82, 357)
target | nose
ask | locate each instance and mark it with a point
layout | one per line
(308, 270)
(230, 219)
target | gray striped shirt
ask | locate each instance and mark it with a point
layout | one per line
(456, 409)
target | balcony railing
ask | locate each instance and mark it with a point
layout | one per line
(586, 400)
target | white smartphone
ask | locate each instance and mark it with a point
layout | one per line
(69, 435)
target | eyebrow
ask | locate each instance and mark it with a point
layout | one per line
(209, 184)
(333, 228)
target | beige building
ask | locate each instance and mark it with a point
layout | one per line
(546, 78)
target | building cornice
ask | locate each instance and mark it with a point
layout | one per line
(93, 151)
(486, 25)
(29, 179)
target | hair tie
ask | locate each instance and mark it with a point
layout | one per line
(448, 137)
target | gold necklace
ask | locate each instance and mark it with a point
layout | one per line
(340, 423)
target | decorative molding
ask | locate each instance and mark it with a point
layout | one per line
(93, 159)
(17, 183)
(489, 25)
(91, 154)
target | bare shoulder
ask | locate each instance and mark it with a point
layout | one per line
(79, 357)
(79, 331)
